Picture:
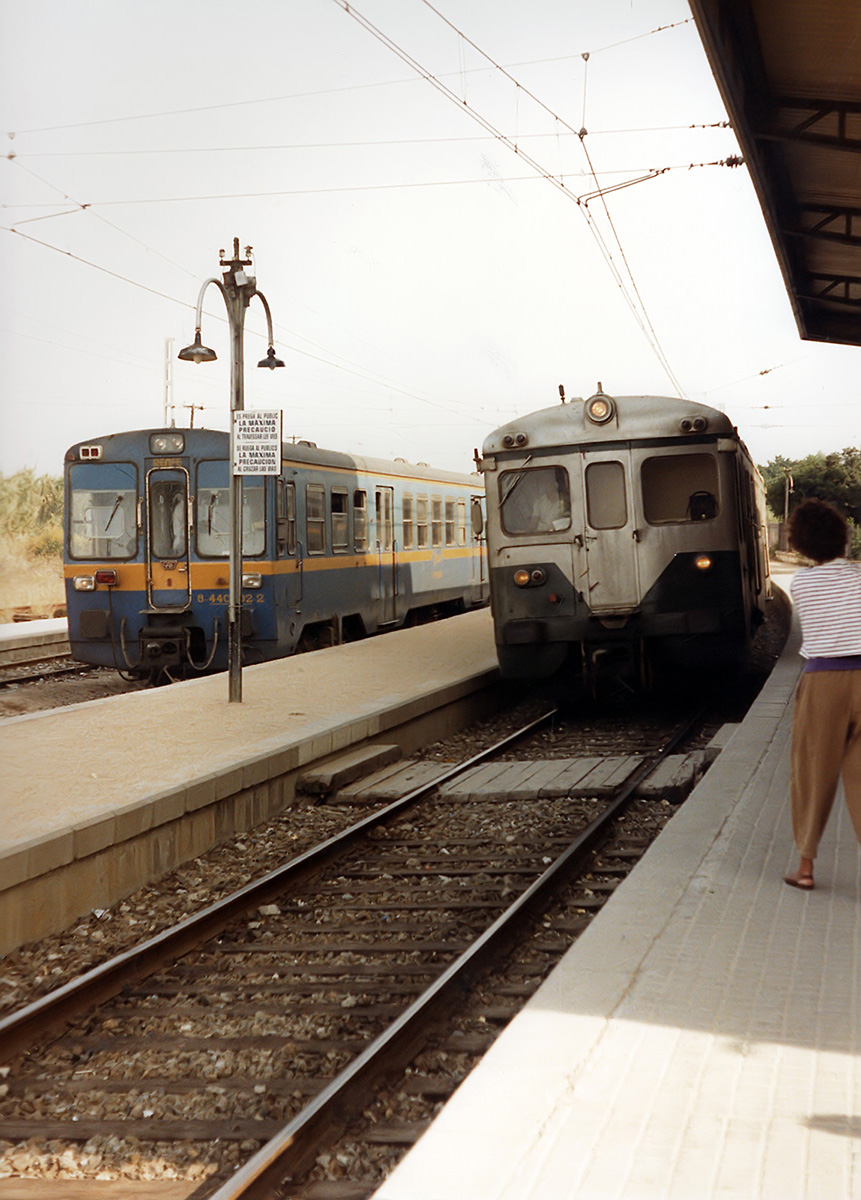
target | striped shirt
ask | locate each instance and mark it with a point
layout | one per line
(828, 600)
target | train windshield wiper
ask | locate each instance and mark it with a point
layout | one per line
(517, 478)
(117, 504)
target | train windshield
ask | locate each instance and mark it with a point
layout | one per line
(213, 512)
(537, 500)
(103, 510)
(680, 487)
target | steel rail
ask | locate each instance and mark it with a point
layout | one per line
(21, 1029)
(292, 1151)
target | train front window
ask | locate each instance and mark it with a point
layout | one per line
(680, 487)
(168, 518)
(103, 510)
(213, 512)
(536, 500)
(606, 502)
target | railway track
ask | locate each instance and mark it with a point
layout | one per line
(326, 976)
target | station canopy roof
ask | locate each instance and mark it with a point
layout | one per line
(789, 72)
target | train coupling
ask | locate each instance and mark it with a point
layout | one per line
(163, 647)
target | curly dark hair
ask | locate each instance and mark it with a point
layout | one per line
(818, 531)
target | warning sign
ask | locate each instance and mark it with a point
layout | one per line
(257, 443)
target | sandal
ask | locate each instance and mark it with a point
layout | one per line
(799, 879)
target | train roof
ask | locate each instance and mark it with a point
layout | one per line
(610, 419)
(303, 453)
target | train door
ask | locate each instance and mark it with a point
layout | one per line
(478, 539)
(387, 554)
(285, 533)
(167, 538)
(610, 536)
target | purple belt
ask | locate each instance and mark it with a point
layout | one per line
(849, 662)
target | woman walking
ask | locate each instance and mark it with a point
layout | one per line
(826, 729)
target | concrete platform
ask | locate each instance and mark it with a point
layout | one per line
(700, 1041)
(22, 640)
(97, 799)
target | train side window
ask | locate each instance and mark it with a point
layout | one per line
(340, 521)
(315, 517)
(360, 520)
(679, 488)
(385, 518)
(449, 522)
(422, 522)
(408, 522)
(537, 500)
(213, 512)
(461, 522)
(606, 499)
(286, 517)
(103, 510)
(436, 521)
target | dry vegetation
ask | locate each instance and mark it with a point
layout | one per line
(31, 545)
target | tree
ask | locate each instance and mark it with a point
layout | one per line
(835, 477)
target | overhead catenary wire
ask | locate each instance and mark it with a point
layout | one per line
(635, 305)
(361, 144)
(581, 198)
(304, 95)
(360, 372)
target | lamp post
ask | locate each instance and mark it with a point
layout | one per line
(788, 486)
(237, 289)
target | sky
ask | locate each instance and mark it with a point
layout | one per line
(419, 184)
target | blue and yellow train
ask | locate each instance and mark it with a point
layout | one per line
(335, 548)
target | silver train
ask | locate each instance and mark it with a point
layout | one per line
(625, 534)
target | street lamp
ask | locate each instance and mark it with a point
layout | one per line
(237, 288)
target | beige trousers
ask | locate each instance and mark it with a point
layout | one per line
(826, 740)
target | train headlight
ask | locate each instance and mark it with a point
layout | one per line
(252, 580)
(600, 409)
(533, 578)
(703, 562)
(515, 439)
(84, 583)
(167, 443)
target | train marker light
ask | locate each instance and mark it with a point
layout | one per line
(167, 443)
(106, 577)
(702, 562)
(600, 408)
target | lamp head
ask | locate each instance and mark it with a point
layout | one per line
(197, 352)
(270, 360)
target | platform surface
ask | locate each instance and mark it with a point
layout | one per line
(702, 1039)
(66, 767)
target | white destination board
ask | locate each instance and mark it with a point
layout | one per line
(257, 442)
